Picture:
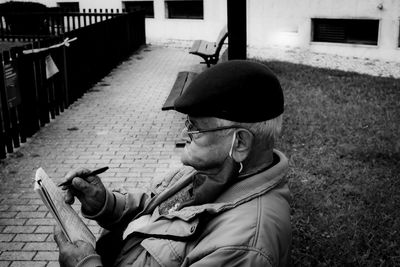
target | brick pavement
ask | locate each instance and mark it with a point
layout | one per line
(118, 123)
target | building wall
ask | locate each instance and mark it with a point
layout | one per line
(284, 23)
(161, 29)
(288, 23)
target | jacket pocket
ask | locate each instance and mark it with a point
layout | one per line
(166, 252)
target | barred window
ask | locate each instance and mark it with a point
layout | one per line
(353, 31)
(184, 9)
(147, 6)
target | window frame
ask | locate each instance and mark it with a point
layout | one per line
(351, 34)
(168, 15)
(147, 15)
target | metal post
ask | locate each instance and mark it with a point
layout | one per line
(237, 29)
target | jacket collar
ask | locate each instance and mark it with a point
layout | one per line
(240, 192)
(260, 182)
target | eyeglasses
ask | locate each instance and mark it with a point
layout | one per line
(191, 129)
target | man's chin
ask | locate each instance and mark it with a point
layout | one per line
(185, 161)
(188, 161)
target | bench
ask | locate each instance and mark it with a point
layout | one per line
(209, 51)
(183, 79)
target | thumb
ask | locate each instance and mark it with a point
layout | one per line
(60, 238)
(84, 246)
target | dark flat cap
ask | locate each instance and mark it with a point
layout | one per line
(236, 90)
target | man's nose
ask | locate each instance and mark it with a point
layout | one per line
(185, 136)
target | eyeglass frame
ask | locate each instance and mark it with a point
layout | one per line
(191, 133)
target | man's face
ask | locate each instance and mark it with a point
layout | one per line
(207, 151)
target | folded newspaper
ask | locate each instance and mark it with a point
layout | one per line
(69, 221)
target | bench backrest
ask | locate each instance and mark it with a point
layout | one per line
(222, 35)
(220, 40)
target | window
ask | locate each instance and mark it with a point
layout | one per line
(184, 9)
(353, 31)
(69, 6)
(148, 7)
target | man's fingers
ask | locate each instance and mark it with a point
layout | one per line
(80, 243)
(69, 197)
(75, 173)
(81, 185)
(88, 248)
(60, 238)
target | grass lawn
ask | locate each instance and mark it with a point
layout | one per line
(342, 137)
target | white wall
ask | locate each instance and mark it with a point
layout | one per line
(288, 23)
(161, 29)
(284, 23)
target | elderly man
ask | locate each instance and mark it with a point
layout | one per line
(228, 206)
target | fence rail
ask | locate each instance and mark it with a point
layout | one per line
(24, 26)
(36, 87)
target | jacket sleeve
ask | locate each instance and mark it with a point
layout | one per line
(93, 260)
(234, 256)
(119, 209)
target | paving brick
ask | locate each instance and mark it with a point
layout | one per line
(35, 201)
(23, 207)
(4, 207)
(17, 255)
(12, 221)
(28, 264)
(45, 229)
(19, 229)
(29, 195)
(30, 237)
(6, 237)
(40, 246)
(46, 255)
(41, 221)
(5, 246)
(53, 264)
(42, 208)
(31, 214)
(15, 201)
(8, 214)
(5, 263)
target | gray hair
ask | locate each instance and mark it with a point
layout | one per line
(265, 132)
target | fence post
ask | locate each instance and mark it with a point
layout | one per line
(29, 114)
(65, 74)
(5, 111)
(14, 97)
(3, 153)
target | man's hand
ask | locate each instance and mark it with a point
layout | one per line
(71, 253)
(89, 190)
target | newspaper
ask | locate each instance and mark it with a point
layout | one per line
(69, 221)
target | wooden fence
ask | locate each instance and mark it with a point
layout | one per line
(37, 85)
(14, 26)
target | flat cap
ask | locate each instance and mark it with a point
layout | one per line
(236, 90)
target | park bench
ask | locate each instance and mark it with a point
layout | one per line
(183, 79)
(209, 51)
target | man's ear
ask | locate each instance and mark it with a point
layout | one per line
(243, 144)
